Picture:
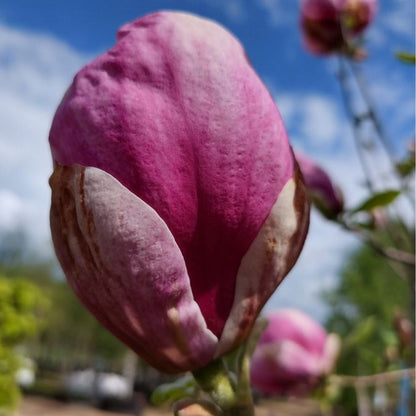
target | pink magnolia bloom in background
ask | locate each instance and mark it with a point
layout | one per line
(293, 354)
(328, 25)
(326, 196)
(177, 208)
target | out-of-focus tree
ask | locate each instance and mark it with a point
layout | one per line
(22, 305)
(363, 307)
(51, 347)
(89, 344)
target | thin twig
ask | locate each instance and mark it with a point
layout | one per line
(388, 252)
(372, 112)
(342, 75)
(373, 116)
(370, 380)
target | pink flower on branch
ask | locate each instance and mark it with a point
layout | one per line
(329, 25)
(326, 196)
(293, 354)
(177, 208)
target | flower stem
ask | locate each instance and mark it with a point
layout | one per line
(214, 379)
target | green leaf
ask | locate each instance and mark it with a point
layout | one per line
(361, 333)
(179, 389)
(408, 58)
(406, 167)
(380, 199)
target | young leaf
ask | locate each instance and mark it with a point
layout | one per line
(183, 387)
(380, 199)
(406, 167)
(408, 58)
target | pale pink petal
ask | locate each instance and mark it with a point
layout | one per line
(284, 368)
(294, 325)
(124, 264)
(268, 260)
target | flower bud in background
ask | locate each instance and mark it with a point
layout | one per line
(405, 330)
(356, 15)
(329, 25)
(177, 208)
(294, 353)
(326, 196)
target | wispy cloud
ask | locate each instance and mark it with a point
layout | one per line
(401, 18)
(235, 10)
(397, 20)
(279, 12)
(314, 119)
(35, 70)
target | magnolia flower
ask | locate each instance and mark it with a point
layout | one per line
(326, 196)
(293, 354)
(329, 25)
(177, 208)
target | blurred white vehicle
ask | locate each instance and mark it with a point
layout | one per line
(25, 375)
(90, 384)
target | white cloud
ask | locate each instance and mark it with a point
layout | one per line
(321, 120)
(35, 70)
(398, 20)
(277, 11)
(313, 117)
(235, 10)
(401, 18)
(11, 212)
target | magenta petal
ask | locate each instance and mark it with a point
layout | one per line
(269, 258)
(293, 354)
(294, 325)
(329, 25)
(124, 264)
(285, 367)
(324, 193)
(176, 113)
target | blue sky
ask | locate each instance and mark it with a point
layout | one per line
(43, 44)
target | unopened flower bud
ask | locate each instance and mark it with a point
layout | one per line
(325, 195)
(176, 206)
(329, 25)
(293, 354)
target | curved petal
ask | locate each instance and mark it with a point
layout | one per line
(294, 325)
(269, 258)
(326, 195)
(284, 367)
(175, 112)
(124, 264)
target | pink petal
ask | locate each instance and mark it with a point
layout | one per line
(284, 368)
(124, 264)
(296, 326)
(176, 113)
(269, 258)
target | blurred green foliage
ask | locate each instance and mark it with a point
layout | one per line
(362, 308)
(41, 316)
(22, 305)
